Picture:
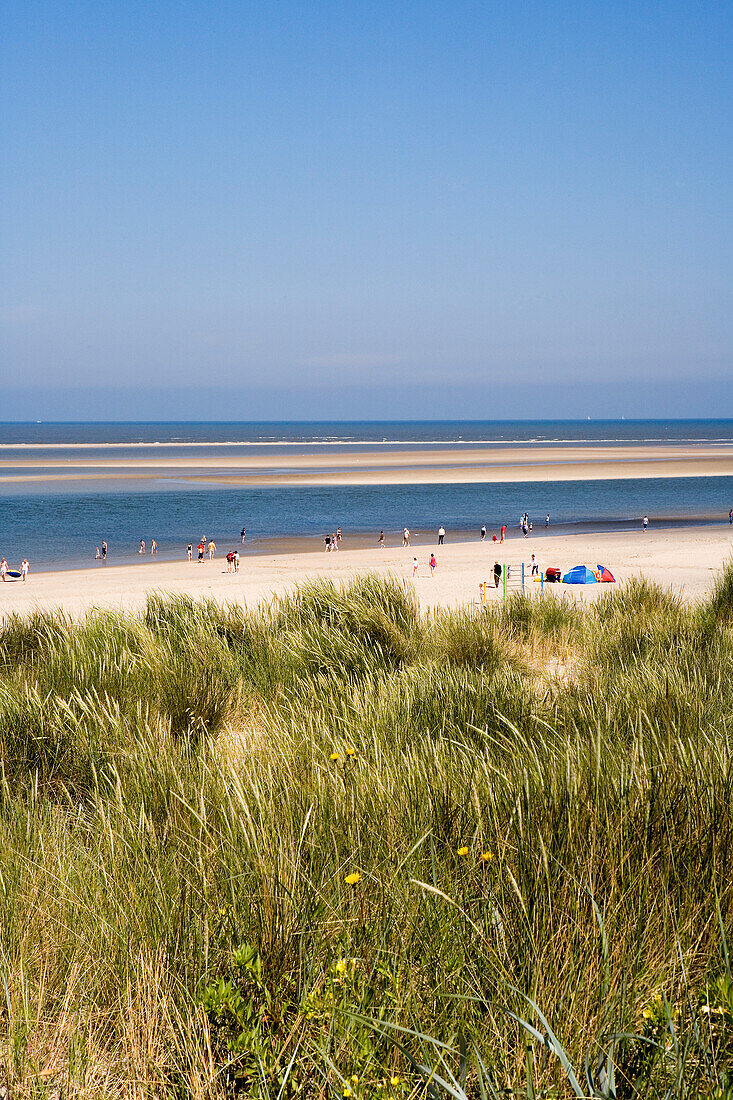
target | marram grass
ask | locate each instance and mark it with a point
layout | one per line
(335, 848)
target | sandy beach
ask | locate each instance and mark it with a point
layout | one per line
(374, 465)
(686, 559)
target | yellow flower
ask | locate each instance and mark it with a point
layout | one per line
(334, 756)
(341, 966)
(394, 1080)
(350, 751)
(347, 1090)
(354, 1079)
(647, 1014)
(353, 878)
(486, 857)
(463, 851)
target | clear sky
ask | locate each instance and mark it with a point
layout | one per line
(252, 210)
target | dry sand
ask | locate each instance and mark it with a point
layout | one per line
(686, 559)
(378, 466)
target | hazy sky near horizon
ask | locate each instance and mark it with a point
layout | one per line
(281, 210)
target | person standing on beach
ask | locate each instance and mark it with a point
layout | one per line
(24, 568)
(547, 520)
(433, 563)
(327, 543)
(380, 540)
(3, 568)
(200, 549)
(497, 574)
(230, 561)
(212, 550)
(153, 546)
(406, 537)
(645, 523)
(730, 516)
(483, 531)
(338, 534)
(97, 556)
(142, 546)
(189, 552)
(236, 561)
(502, 533)
(104, 550)
(535, 567)
(414, 567)
(441, 535)
(334, 542)
(244, 534)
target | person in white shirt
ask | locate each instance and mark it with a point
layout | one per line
(441, 534)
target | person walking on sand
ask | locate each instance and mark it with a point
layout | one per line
(236, 561)
(104, 550)
(230, 561)
(645, 523)
(334, 542)
(406, 537)
(3, 568)
(338, 534)
(24, 568)
(200, 550)
(189, 552)
(497, 574)
(483, 531)
(441, 535)
(212, 550)
(142, 546)
(730, 516)
(380, 540)
(414, 567)
(433, 563)
(535, 567)
(502, 533)
(327, 543)
(153, 547)
(547, 520)
(244, 534)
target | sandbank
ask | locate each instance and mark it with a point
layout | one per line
(377, 466)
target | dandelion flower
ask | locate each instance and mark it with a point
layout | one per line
(463, 851)
(486, 857)
(394, 1080)
(347, 1090)
(350, 751)
(647, 1014)
(334, 756)
(353, 878)
(341, 966)
(354, 1079)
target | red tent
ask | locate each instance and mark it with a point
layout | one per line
(605, 574)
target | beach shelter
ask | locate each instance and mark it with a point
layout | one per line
(580, 574)
(605, 574)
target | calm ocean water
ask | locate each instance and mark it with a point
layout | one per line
(59, 526)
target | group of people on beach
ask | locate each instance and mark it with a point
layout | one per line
(331, 542)
(14, 574)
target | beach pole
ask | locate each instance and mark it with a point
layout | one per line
(503, 578)
(522, 576)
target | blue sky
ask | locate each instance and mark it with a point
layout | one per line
(243, 210)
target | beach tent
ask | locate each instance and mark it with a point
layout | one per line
(605, 574)
(580, 574)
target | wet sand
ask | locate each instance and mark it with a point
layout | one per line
(687, 559)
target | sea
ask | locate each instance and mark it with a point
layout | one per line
(58, 523)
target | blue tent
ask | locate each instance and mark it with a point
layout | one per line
(580, 574)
